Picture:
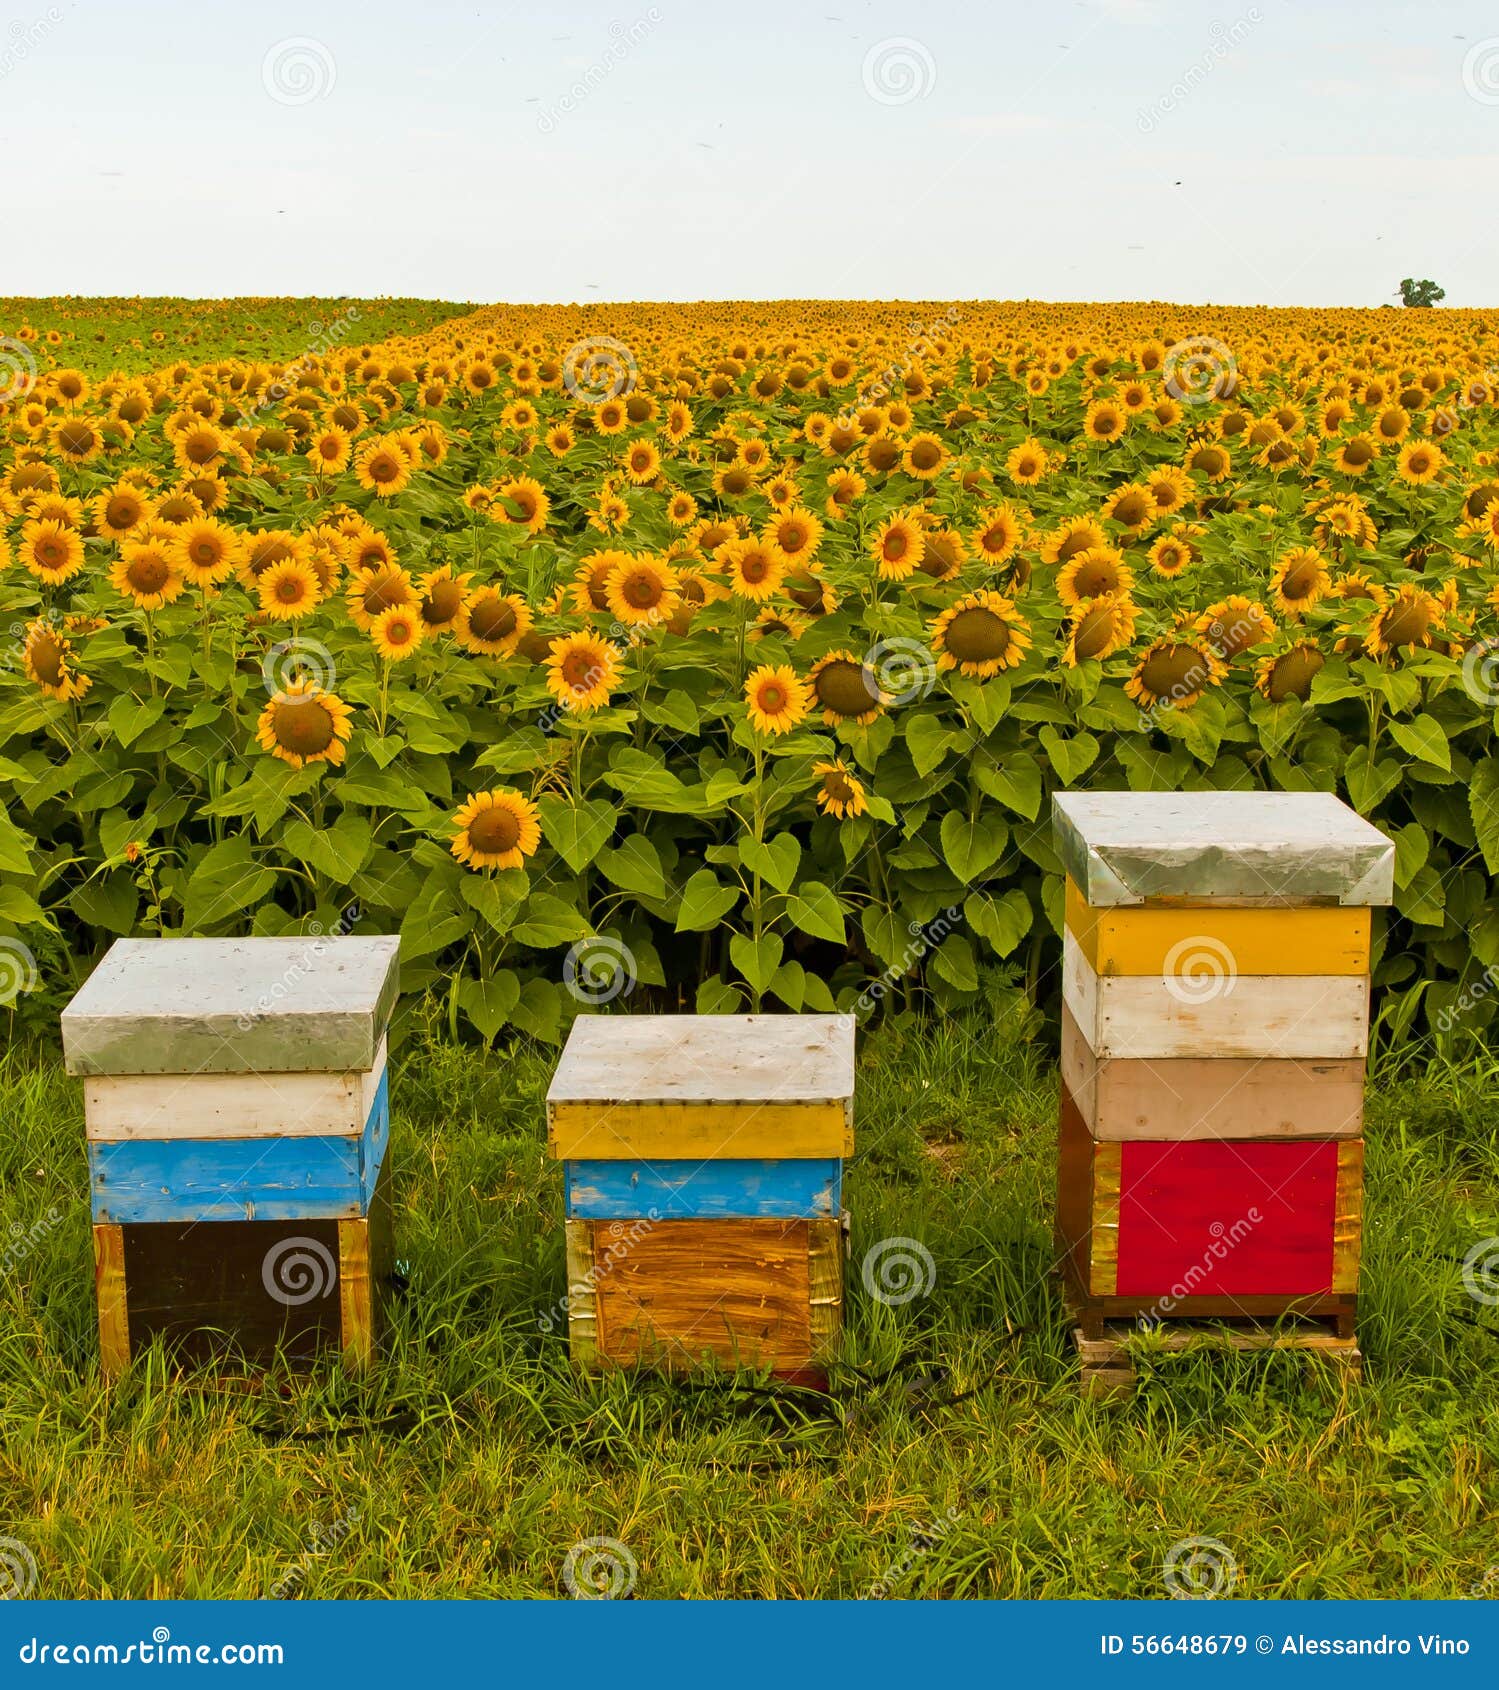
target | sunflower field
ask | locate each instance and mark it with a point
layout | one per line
(728, 654)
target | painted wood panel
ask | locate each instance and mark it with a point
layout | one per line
(233, 1006)
(1228, 847)
(1320, 1016)
(248, 1291)
(806, 1189)
(246, 1179)
(699, 1131)
(308, 1105)
(1189, 1097)
(1154, 939)
(750, 1293)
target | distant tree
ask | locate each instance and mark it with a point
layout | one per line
(1420, 293)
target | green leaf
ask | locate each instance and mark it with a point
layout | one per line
(885, 934)
(227, 880)
(972, 847)
(22, 910)
(815, 909)
(927, 739)
(497, 897)
(1003, 921)
(550, 920)
(337, 852)
(634, 865)
(1483, 806)
(953, 960)
(521, 749)
(756, 960)
(538, 1011)
(1412, 847)
(14, 856)
(130, 717)
(790, 985)
(1423, 738)
(1015, 782)
(704, 902)
(577, 832)
(1071, 758)
(716, 996)
(775, 860)
(1424, 901)
(1369, 781)
(489, 1003)
(109, 901)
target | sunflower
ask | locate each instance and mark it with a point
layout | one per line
(1028, 463)
(330, 451)
(119, 511)
(924, 457)
(1170, 556)
(262, 548)
(1093, 573)
(1097, 628)
(777, 700)
(521, 500)
(582, 670)
(496, 829)
(371, 591)
(1211, 460)
(1075, 534)
(77, 441)
(397, 632)
(1234, 625)
(980, 635)
(1420, 462)
(771, 623)
(641, 463)
(492, 623)
(1407, 620)
(146, 573)
(1354, 455)
(642, 591)
(681, 510)
(1290, 675)
(205, 550)
(897, 546)
(844, 486)
(304, 724)
(1299, 579)
(442, 598)
(1105, 421)
(382, 468)
(1174, 672)
(51, 551)
(1133, 506)
(943, 556)
(845, 688)
(998, 533)
(841, 793)
(289, 590)
(560, 440)
(794, 535)
(754, 569)
(47, 657)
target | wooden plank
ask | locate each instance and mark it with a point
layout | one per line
(1162, 940)
(358, 1318)
(698, 1131)
(707, 1059)
(311, 1105)
(1348, 1216)
(681, 1293)
(217, 1179)
(1228, 847)
(1318, 1016)
(1105, 1220)
(1186, 1097)
(110, 1295)
(582, 1297)
(1223, 1220)
(826, 1244)
(704, 1190)
(198, 1006)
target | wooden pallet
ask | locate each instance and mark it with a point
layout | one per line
(1108, 1366)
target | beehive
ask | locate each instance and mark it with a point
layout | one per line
(704, 1167)
(1215, 986)
(237, 1109)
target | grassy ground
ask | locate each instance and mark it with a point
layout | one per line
(476, 1460)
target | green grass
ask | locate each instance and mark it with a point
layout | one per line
(475, 1459)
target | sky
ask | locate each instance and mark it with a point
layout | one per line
(1276, 152)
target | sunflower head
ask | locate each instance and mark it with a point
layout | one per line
(582, 671)
(397, 632)
(980, 635)
(497, 829)
(304, 724)
(1174, 673)
(841, 793)
(845, 688)
(777, 700)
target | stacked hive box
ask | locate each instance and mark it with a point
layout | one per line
(1215, 993)
(704, 1162)
(237, 1109)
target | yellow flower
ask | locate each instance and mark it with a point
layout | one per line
(582, 671)
(1174, 673)
(1299, 579)
(1092, 574)
(980, 635)
(51, 551)
(443, 593)
(897, 547)
(145, 573)
(1291, 674)
(998, 533)
(492, 623)
(497, 829)
(841, 793)
(371, 591)
(48, 660)
(382, 468)
(206, 550)
(755, 570)
(304, 724)
(776, 699)
(1097, 628)
(397, 632)
(1407, 620)
(641, 591)
(845, 688)
(288, 590)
